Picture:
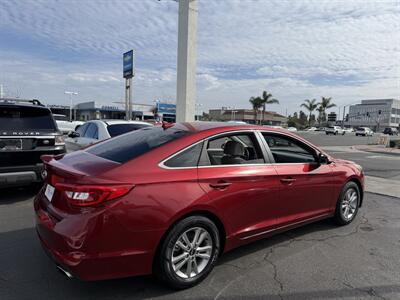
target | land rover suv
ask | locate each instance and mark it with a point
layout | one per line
(27, 131)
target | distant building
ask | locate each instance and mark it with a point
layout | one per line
(375, 113)
(247, 115)
(93, 111)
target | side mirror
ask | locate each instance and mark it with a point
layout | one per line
(323, 159)
(73, 134)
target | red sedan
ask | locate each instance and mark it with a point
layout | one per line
(169, 200)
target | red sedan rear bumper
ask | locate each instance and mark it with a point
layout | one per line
(92, 253)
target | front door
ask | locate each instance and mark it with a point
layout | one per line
(305, 185)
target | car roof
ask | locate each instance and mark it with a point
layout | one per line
(200, 126)
(118, 121)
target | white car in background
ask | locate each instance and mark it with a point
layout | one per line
(97, 130)
(312, 129)
(64, 125)
(335, 130)
(292, 129)
(364, 131)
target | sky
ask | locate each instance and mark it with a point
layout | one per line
(296, 50)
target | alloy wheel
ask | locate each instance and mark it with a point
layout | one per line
(349, 204)
(192, 252)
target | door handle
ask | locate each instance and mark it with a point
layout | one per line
(288, 180)
(221, 185)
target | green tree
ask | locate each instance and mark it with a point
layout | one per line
(325, 104)
(310, 105)
(267, 99)
(256, 103)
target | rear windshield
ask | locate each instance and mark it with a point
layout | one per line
(118, 129)
(23, 118)
(131, 145)
(361, 129)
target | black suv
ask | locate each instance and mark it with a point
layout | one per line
(391, 131)
(27, 131)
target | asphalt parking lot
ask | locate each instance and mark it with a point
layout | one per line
(318, 261)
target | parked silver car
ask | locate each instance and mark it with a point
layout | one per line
(97, 130)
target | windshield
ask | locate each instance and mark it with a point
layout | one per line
(118, 129)
(131, 145)
(23, 118)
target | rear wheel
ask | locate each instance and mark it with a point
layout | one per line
(347, 204)
(188, 253)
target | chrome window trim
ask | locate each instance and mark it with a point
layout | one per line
(162, 163)
(255, 132)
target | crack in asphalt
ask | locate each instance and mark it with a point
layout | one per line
(369, 291)
(364, 221)
(293, 239)
(275, 268)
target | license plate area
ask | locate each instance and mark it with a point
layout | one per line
(10, 144)
(49, 192)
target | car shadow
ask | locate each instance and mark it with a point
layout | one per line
(26, 272)
(17, 194)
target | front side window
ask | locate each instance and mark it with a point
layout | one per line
(92, 131)
(187, 158)
(81, 129)
(233, 149)
(288, 150)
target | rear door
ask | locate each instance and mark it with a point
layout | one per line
(245, 192)
(305, 186)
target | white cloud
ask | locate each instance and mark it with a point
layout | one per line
(349, 50)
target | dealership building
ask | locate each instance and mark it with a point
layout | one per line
(375, 114)
(247, 115)
(93, 110)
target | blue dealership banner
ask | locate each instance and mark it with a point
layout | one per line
(128, 64)
(166, 108)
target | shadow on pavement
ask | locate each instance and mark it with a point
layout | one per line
(17, 194)
(27, 273)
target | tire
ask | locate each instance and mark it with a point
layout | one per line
(164, 267)
(327, 133)
(335, 133)
(348, 191)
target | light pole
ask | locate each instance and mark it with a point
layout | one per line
(198, 110)
(70, 102)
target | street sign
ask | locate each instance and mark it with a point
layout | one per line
(129, 71)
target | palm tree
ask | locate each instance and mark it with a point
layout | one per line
(326, 104)
(310, 106)
(320, 111)
(257, 103)
(267, 99)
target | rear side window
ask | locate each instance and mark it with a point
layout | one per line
(118, 129)
(187, 158)
(26, 118)
(131, 145)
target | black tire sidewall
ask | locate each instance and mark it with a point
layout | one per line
(340, 219)
(167, 274)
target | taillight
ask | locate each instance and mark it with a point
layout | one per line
(59, 140)
(90, 195)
